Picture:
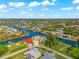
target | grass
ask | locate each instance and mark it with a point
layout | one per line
(13, 48)
(21, 56)
(18, 56)
(59, 57)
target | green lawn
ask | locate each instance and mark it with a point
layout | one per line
(59, 57)
(18, 56)
(11, 48)
(21, 56)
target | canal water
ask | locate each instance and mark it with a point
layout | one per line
(31, 34)
(69, 42)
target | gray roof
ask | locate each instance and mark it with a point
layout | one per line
(33, 52)
(48, 56)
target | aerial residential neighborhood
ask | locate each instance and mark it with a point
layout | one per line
(39, 29)
(25, 42)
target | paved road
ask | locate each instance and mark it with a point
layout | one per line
(54, 51)
(15, 53)
(6, 56)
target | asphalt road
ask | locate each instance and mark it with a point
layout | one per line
(54, 51)
(12, 54)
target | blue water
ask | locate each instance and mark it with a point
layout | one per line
(31, 34)
(69, 42)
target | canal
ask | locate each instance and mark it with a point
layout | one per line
(31, 34)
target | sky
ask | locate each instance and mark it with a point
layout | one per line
(39, 8)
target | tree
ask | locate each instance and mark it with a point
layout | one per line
(51, 40)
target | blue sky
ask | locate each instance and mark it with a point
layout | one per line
(39, 8)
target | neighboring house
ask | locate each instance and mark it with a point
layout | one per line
(67, 36)
(19, 32)
(33, 54)
(59, 31)
(28, 41)
(48, 55)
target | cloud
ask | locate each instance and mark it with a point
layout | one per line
(75, 1)
(67, 8)
(30, 14)
(32, 4)
(54, 0)
(11, 8)
(45, 9)
(77, 7)
(78, 14)
(25, 13)
(17, 4)
(47, 2)
(3, 6)
(30, 9)
(3, 11)
(41, 15)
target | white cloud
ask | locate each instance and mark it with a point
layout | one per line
(67, 8)
(41, 15)
(77, 7)
(54, 0)
(30, 9)
(30, 14)
(3, 11)
(3, 6)
(32, 4)
(17, 4)
(11, 8)
(25, 13)
(75, 1)
(45, 9)
(78, 14)
(47, 2)
(56, 15)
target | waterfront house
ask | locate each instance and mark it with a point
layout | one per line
(28, 41)
(59, 31)
(19, 32)
(67, 36)
(36, 40)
